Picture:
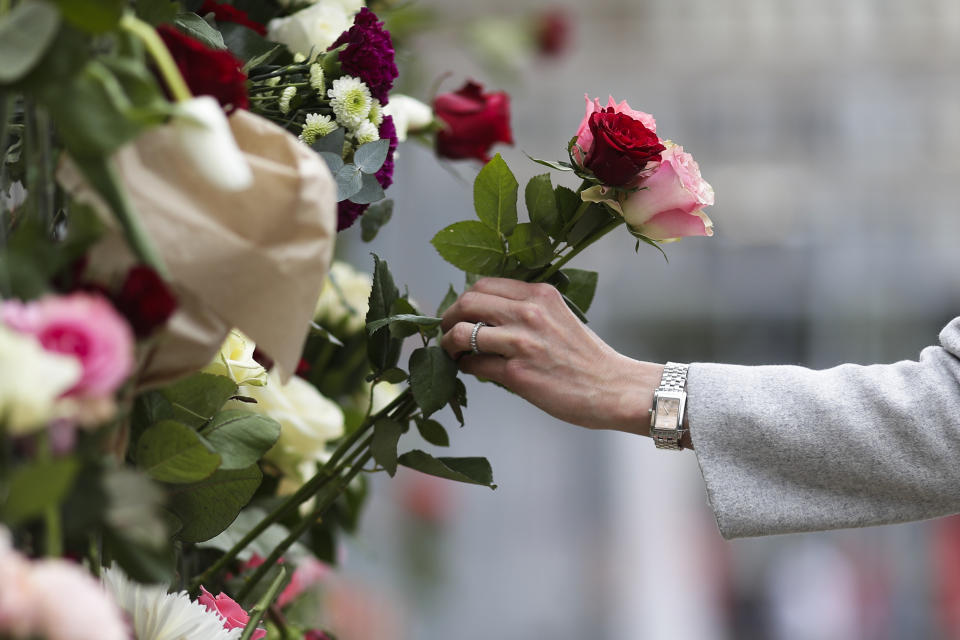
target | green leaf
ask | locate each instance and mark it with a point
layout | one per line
(595, 217)
(383, 349)
(567, 202)
(469, 470)
(386, 434)
(530, 245)
(349, 182)
(495, 196)
(557, 165)
(403, 307)
(262, 545)
(471, 246)
(370, 190)
(542, 204)
(197, 28)
(241, 437)
(173, 452)
(248, 45)
(422, 321)
(582, 286)
(34, 488)
(448, 300)
(433, 376)
(157, 11)
(197, 398)
(92, 16)
(332, 142)
(395, 375)
(135, 507)
(208, 507)
(433, 432)
(370, 156)
(374, 218)
(25, 34)
(459, 400)
(333, 160)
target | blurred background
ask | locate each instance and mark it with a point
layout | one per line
(830, 132)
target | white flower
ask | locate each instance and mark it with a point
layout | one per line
(206, 138)
(366, 132)
(298, 58)
(31, 380)
(344, 298)
(285, 97)
(376, 113)
(235, 361)
(312, 29)
(409, 114)
(350, 100)
(14, 197)
(316, 126)
(272, 82)
(317, 80)
(158, 615)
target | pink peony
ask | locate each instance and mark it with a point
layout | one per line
(585, 135)
(233, 615)
(82, 325)
(670, 202)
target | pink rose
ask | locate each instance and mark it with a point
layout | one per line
(82, 325)
(309, 572)
(585, 135)
(233, 615)
(670, 202)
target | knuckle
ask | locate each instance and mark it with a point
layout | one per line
(531, 314)
(545, 292)
(470, 300)
(482, 285)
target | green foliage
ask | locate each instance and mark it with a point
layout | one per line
(433, 376)
(383, 349)
(25, 34)
(197, 398)
(448, 299)
(405, 318)
(331, 143)
(495, 196)
(374, 218)
(240, 437)
(386, 434)
(370, 190)
(35, 487)
(92, 16)
(582, 285)
(369, 157)
(530, 245)
(470, 470)
(197, 28)
(433, 432)
(248, 45)
(471, 246)
(542, 204)
(173, 452)
(208, 507)
(567, 203)
(593, 219)
(262, 545)
(157, 11)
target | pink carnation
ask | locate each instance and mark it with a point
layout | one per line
(82, 325)
(233, 615)
(585, 135)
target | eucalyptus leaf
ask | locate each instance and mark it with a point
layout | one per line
(433, 376)
(581, 288)
(370, 156)
(333, 160)
(208, 507)
(332, 142)
(495, 196)
(542, 204)
(241, 437)
(198, 28)
(386, 434)
(370, 190)
(374, 218)
(36, 487)
(433, 432)
(197, 398)
(173, 452)
(470, 470)
(25, 34)
(448, 299)
(349, 182)
(530, 245)
(471, 246)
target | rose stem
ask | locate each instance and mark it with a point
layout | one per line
(256, 614)
(583, 245)
(160, 54)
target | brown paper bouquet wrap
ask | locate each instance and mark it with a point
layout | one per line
(253, 259)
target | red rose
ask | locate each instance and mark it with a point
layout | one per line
(229, 13)
(145, 300)
(208, 72)
(622, 147)
(553, 28)
(474, 120)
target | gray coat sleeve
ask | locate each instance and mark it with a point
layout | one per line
(785, 449)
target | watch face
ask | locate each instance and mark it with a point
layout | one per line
(668, 410)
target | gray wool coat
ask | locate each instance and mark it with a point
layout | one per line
(785, 449)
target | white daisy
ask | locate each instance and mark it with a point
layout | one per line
(376, 113)
(350, 100)
(366, 132)
(317, 79)
(316, 126)
(157, 615)
(285, 97)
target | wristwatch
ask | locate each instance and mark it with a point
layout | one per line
(669, 402)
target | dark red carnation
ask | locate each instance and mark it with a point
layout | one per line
(553, 29)
(145, 300)
(474, 121)
(369, 54)
(621, 148)
(348, 212)
(208, 72)
(223, 12)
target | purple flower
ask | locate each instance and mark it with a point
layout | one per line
(369, 54)
(348, 212)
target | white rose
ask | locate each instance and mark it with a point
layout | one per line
(31, 380)
(344, 298)
(314, 28)
(409, 114)
(235, 361)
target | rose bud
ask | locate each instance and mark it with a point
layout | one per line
(553, 28)
(474, 121)
(145, 300)
(622, 147)
(223, 12)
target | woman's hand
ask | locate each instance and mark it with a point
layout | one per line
(536, 347)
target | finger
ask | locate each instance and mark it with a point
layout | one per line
(490, 340)
(484, 366)
(474, 306)
(505, 288)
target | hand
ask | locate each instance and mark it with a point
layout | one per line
(536, 347)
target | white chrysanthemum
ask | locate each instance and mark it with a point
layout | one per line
(285, 97)
(158, 615)
(366, 132)
(316, 126)
(272, 82)
(298, 58)
(317, 79)
(350, 100)
(376, 113)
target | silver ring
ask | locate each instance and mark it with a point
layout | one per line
(473, 338)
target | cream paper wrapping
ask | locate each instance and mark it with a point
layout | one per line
(253, 259)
